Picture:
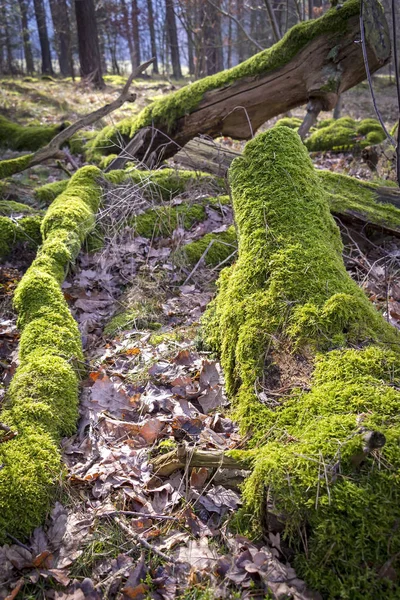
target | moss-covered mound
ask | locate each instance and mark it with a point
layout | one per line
(164, 184)
(45, 194)
(214, 248)
(16, 231)
(163, 220)
(42, 401)
(311, 368)
(166, 111)
(31, 138)
(345, 134)
(10, 207)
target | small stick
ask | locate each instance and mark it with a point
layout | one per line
(143, 542)
(134, 513)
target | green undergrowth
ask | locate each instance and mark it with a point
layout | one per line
(42, 400)
(30, 138)
(48, 192)
(10, 207)
(16, 231)
(164, 113)
(163, 220)
(345, 134)
(215, 248)
(287, 316)
(164, 184)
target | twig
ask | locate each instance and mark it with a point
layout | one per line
(17, 542)
(368, 72)
(143, 542)
(134, 513)
(192, 272)
(397, 76)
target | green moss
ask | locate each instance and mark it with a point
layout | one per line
(14, 231)
(345, 134)
(31, 138)
(349, 195)
(107, 160)
(291, 122)
(49, 192)
(220, 247)
(285, 309)
(7, 236)
(140, 315)
(78, 142)
(9, 207)
(164, 113)
(14, 165)
(164, 184)
(163, 220)
(43, 397)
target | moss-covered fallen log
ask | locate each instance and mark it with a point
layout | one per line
(311, 368)
(30, 137)
(42, 400)
(351, 199)
(316, 59)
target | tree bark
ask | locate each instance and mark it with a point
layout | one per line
(173, 39)
(128, 32)
(153, 44)
(26, 38)
(40, 14)
(88, 42)
(136, 34)
(62, 30)
(322, 60)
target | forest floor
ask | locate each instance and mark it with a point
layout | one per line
(117, 530)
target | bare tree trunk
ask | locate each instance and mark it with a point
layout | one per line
(212, 39)
(150, 16)
(88, 42)
(26, 38)
(128, 33)
(40, 15)
(173, 39)
(60, 16)
(135, 33)
(273, 21)
(239, 32)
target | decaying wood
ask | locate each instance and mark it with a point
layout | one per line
(326, 66)
(185, 456)
(314, 107)
(206, 155)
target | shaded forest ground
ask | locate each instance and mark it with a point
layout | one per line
(150, 384)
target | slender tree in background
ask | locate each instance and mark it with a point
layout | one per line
(40, 14)
(214, 59)
(26, 38)
(128, 32)
(62, 30)
(136, 34)
(88, 42)
(173, 39)
(150, 20)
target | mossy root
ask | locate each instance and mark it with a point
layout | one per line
(311, 368)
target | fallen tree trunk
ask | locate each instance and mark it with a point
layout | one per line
(315, 60)
(311, 368)
(353, 200)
